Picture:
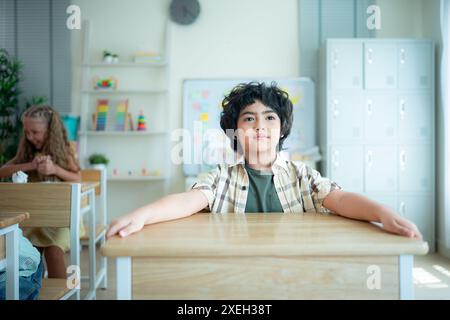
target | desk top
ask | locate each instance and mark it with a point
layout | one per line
(9, 218)
(262, 234)
(85, 186)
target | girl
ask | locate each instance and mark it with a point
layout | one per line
(45, 154)
(257, 119)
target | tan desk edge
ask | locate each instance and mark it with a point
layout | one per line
(85, 186)
(268, 234)
(9, 218)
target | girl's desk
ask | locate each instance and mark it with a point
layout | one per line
(264, 256)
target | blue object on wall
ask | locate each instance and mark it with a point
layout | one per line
(71, 125)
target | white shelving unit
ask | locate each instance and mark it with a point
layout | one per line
(145, 85)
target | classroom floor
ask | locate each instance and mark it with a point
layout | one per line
(431, 277)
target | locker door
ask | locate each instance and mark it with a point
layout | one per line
(415, 168)
(419, 209)
(345, 61)
(346, 167)
(380, 118)
(414, 65)
(380, 168)
(415, 112)
(380, 65)
(346, 118)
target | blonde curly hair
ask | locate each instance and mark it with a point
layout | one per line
(55, 145)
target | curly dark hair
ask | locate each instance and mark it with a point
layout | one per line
(245, 94)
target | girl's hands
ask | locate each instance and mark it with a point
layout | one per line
(126, 225)
(399, 225)
(45, 165)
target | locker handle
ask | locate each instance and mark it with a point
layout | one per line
(402, 108)
(369, 158)
(402, 158)
(334, 57)
(334, 156)
(402, 56)
(335, 108)
(402, 208)
(369, 56)
(369, 107)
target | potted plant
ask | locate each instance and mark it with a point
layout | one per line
(115, 58)
(107, 56)
(10, 108)
(98, 161)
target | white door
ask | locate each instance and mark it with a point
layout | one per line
(414, 65)
(346, 118)
(380, 65)
(345, 61)
(380, 168)
(346, 167)
(380, 118)
(420, 210)
(415, 117)
(415, 168)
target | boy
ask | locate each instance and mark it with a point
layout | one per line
(257, 119)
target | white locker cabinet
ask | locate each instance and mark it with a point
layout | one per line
(380, 65)
(415, 117)
(346, 63)
(346, 118)
(347, 167)
(380, 117)
(415, 169)
(380, 168)
(420, 210)
(376, 123)
(414, 65)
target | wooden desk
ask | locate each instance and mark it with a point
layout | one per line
(9, 226)
(264, 256)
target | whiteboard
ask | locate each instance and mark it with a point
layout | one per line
(205, 144)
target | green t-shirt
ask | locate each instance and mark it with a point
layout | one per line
(262, 196)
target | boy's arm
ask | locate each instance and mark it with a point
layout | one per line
(355, 206)
(174, 206)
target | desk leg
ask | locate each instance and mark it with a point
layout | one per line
(92, 247)
(406, 263)
(123, 278)
(12, 260)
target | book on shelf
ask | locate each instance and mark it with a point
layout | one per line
(111, 115)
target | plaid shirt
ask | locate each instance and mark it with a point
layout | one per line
(299, 187)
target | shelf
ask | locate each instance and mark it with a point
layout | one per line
(156, 91)
(122, 133)
(136, 178)
(155, 64)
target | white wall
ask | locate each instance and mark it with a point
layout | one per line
(400, 18)
(230, 39)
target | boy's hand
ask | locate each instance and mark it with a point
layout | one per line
(125, 225)
(399, 225)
